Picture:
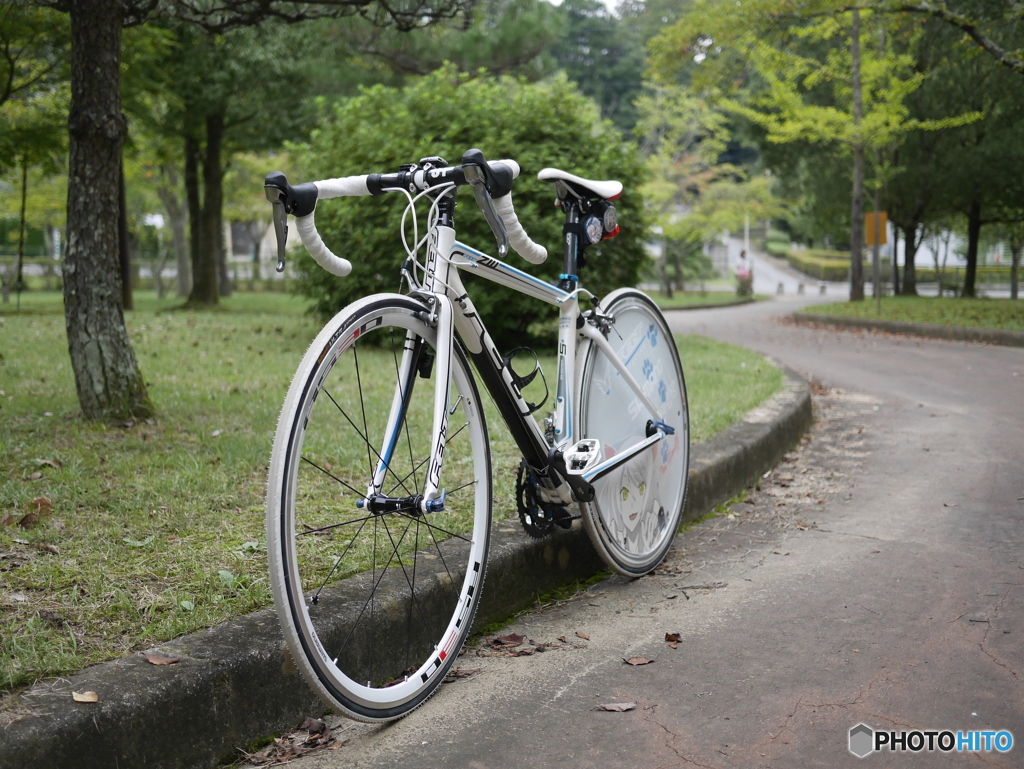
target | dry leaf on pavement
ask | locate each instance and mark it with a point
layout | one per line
(617, 707)
(672, 639)
(505, 641)
(584, 636)
(637, 661)
(156, 658)
(85, 696)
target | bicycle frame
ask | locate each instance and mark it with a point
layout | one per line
(451, 310)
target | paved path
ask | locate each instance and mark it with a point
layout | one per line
(876, 576)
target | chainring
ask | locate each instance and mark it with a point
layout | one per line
(539, 518)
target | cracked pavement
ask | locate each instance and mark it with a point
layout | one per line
(875, 575)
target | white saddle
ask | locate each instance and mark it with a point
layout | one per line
(609, 190)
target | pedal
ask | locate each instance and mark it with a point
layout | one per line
(582, 457)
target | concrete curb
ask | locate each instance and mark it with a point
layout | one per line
(710, 305)
(235, 682)
(1000, 336)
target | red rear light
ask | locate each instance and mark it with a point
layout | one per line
(612, 234)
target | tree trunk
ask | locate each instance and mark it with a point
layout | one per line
(914, 236)
(973, 235)
(896, 269)
(176, 217)
(195, 211)
(19, 281)
(123, 248)
(1015, 249)
(107, 375)
(666, 282)
(205, 273)
(222, 255)
(857, 199)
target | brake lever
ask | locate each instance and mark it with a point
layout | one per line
(276, 197)
(474, 175)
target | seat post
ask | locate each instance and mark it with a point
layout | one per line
(568, 279)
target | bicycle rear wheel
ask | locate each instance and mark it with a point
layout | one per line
(637, 507)
(376, 604)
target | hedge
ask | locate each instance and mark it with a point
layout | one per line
(445, 113)
(810, 263)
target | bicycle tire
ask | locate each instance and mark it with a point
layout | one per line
(375, 607)
(637, 507)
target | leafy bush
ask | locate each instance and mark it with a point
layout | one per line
(446, 113)
(812, 263)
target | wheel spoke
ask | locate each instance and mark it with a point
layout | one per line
(331, 475)
(369, 445)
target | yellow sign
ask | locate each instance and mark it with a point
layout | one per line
(869, 228)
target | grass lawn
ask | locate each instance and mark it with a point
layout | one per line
(682, 299)
(153, 529)
(945, 311)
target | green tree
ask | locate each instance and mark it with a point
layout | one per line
(604, 56)
(683, 139)
(107, 374)
(445, 113)
(503, 37)
(820, 78)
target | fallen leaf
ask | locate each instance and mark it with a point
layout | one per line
(455, 675)
(563, 639)
(156, 658)
(671, 597)
(950, 504)
(617, 707)
(41, 506)
(48, 463)
(85, 696)
(673, 644)
(505, 641)
(673, 637)
(584, 636)
(9, 520)
(314, 725)
(216, 433)
(47, 547)
(35, 476)
(637, 661)
(28, 520)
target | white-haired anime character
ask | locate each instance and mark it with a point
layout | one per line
(630, 503)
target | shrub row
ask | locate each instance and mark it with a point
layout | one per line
(819, 267)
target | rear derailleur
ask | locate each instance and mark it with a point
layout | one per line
(539, 518)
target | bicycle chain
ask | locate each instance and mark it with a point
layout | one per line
(538, 518)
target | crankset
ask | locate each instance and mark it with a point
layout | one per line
(539, 518)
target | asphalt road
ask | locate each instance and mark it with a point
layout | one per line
(875, 576)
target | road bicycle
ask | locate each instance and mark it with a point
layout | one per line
(379, 491)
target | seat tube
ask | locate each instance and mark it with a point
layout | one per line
(567, 317)
(564, 390)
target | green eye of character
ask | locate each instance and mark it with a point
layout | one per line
(643, 487)
(625, 493)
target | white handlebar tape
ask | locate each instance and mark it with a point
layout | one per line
(346, 186)
(315, 245)
(517, 236)
(510, 163)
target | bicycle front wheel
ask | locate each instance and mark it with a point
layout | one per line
(636, 510)
(375, 604)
